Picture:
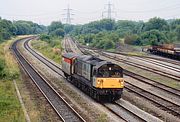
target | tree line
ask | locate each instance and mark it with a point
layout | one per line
(106, 33)
(9, 28)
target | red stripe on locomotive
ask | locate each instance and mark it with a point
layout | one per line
(68, 60)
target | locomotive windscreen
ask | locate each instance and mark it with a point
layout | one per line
(110, 70)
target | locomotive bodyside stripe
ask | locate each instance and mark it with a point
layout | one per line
(68, 60)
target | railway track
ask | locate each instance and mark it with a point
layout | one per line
(143, 57)
(48, 63)
(50, 66)
(172, 76)
(150, 69)
(152, 61)
(120, 111)
(148, 57)
(58, 103)
(169, 75)
(144, 79)
(129, 115)
(162, 59)
(55, 68)
(159, 101)
(172, 108)
(67, 45)
(153, 83)
(161, 64)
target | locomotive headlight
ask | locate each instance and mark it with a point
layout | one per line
(98, 82)
(121, 81)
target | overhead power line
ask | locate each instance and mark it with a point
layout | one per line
(109, 11)
(68, 15)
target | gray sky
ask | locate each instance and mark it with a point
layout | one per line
(46, 11)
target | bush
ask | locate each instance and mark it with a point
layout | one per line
(153, 37)
(109, 44)
(45, 37)
(2, 67)
(130, 39)
(58, 32)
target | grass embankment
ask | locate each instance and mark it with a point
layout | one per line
(51, 49)
(10, 108)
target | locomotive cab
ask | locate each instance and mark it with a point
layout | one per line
(108, 75)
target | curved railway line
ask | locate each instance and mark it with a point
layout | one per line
(51, 65)
(57, 69)
(58, 103)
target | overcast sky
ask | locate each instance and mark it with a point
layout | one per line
(46, 11)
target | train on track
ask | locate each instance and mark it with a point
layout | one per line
(100, 79)
(166, 50)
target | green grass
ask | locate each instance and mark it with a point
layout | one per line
(137, 54)
(111, 50)
(10, 108)
(48, 49)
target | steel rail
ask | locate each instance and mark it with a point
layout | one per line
(62, 108)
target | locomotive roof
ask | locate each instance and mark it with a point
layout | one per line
(103, 63)
(88, 58)
(70, 55)
(91, 60)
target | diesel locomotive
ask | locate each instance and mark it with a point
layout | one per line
(100, 79)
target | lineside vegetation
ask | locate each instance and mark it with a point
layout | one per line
(49, 47)
(10, 108)
(107, 34)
